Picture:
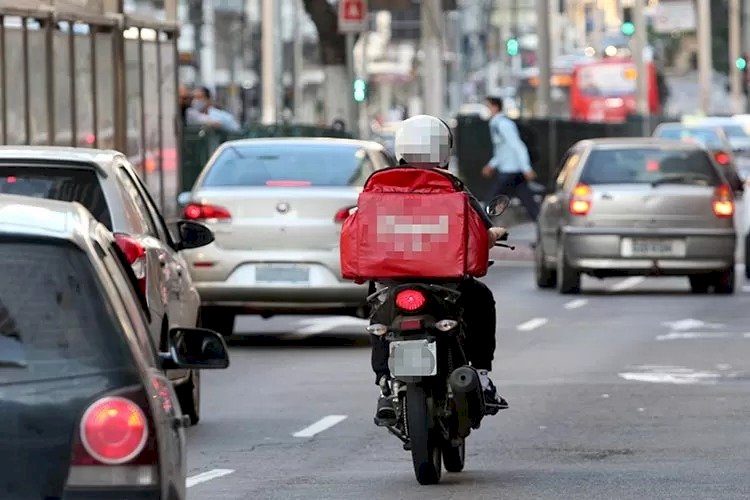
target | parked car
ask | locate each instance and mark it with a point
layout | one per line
(106, 184)
(711, 137)
(276, 207)
(86, 409)
(637, 207)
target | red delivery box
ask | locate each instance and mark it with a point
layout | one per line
(413, 223)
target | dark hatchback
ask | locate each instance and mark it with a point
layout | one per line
(85, 409)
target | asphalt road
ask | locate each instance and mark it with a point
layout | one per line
(635, 389)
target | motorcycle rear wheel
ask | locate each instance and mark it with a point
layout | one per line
(454, 457)
(425, 441)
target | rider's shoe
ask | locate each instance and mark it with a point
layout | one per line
(493, 402)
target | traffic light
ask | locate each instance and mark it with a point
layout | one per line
(360, 90)
(627, 27)
(741, 63)
(511, 46)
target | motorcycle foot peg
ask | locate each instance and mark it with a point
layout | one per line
(464, 379)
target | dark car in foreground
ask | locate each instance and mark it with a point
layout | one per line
(86, 411)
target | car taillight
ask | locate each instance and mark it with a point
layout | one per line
(723, 203)
(115, 444)
(200, 211)
(410, 300)
(722, 158)
(580, 200)
(135, 254)
(342, 214)
(114, 430)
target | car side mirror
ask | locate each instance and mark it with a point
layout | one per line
(193, 235)
(183, 198)
(195, 348)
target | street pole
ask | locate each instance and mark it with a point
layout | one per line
(433, 71)
(544, 58)
(641, 83)
(352, 121)
(298, 61)
(735, 82)
(268, 62)
(746, 38)
(705, 58)
(364, 129)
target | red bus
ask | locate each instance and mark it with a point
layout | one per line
(605, 90)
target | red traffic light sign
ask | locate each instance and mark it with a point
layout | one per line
(352, 16)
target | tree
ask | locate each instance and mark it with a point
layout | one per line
(333, 58)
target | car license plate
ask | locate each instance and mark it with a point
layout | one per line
(652, 247)
(282, 274)
(413, 358)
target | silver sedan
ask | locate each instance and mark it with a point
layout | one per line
(637, 207)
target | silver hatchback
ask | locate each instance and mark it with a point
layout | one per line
(625, 207)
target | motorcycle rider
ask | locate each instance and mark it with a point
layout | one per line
(425, 142)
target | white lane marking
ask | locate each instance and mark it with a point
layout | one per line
(693, 335)
(690, 324)
(746, 288)
(319, 426)
(747, 335)
(575, 304)
(631, 282)
(324, 324)
(532, 324)
(207, 476)
(670, 375)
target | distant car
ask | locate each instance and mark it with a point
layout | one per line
(86, 410)
(711, 137)
(738, 138)
(106, 184)
(276, 207)
(637, 207)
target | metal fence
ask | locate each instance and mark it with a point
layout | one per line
(546, 139)
(93, 80)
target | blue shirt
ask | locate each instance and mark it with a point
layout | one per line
(225, 118)
(510, 155)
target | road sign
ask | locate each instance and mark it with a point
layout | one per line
(674, 16)
(352, 16)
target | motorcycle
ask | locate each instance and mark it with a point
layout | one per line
(437, 395)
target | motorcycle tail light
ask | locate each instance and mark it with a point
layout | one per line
(411, 324)
(410, 300)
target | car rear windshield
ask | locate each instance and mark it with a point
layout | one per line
(53, 320)
(649, 166)
(704, 136)
(289, 165)
(734, 131)
(57, 183)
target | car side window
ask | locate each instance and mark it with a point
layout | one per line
(161, 226)
(569, 165)
(124, 282)
(140, 204)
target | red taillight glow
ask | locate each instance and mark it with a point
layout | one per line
(11, 179)
(135, 254)
(411, 324)
(89, 139)
(288, 183)
(342, 214)
(410, 300)
(580, 200)
(722, 158)
(723, 202)
(114, 430)
(199, 211)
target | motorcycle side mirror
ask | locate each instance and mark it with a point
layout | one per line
(498, 205)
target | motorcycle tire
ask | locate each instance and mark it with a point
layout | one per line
(454, 456)
(424, 440)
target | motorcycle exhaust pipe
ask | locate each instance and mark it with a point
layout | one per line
(467, 394)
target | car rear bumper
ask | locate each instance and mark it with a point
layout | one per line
(599, 249)
(283, 299)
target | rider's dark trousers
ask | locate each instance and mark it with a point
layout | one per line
(479, 315)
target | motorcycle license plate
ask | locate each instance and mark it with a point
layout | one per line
(413, 358)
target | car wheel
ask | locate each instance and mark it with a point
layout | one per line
(568, 278)
(218, 319)
(724, 282)
(189, 396)
(545, 277)
(700, 283)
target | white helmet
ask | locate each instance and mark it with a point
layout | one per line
(424, 140)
